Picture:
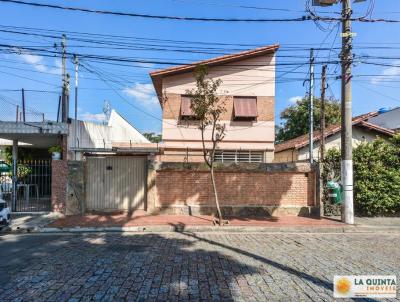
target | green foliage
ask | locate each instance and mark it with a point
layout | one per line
(23, 170)
(207, 108)
(152, 137)
(376, 176)
(56, 148)
(24, 154)
(296, 118)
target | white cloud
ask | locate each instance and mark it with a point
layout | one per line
(144, 93)
(145, 65)
(388, 73)
(93, 117)
(38, 62)
(294, 99)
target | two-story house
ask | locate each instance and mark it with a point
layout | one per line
(248, 90)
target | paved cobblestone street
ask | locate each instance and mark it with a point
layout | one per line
(188, 267)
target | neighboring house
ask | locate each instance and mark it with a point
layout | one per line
(387, 118)
(248, 89)
(297, 149)
(92, 137)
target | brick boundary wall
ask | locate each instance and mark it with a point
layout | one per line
(283, 187)
(59, 179)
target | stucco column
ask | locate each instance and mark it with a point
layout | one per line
(14, 173)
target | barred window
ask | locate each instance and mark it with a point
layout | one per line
(239, 156)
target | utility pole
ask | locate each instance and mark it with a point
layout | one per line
(311, 107)
(76, 63)
(347, 148)
(64, 112)
(346, 131)
(322, 122)
(23, 105)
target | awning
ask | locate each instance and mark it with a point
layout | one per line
(245, 106)
(5, 168)
(186, 110)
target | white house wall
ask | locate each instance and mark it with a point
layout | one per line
(359, 135)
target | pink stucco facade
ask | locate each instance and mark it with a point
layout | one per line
(250, 77)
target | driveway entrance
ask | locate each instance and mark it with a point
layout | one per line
(116, 183)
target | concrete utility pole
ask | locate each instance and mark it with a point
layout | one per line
(311, 108)
(14, 174)
(322, 122)
(76, 63)
(346, 135)
(347, 147)
(64, 112)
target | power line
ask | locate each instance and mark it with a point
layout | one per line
(203, 19)
(148, 16)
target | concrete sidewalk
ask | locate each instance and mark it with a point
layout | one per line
(142, 222)
(27, 222)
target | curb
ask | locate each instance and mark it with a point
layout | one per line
(205, 229)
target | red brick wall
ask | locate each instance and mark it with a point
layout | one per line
(236, 188)
(59, 176)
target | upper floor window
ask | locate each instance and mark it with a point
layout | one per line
(186, 109)
(245, 108)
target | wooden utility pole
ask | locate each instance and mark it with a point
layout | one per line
(322, 122)
(59, 108)
(23, 105)
(311, 107)
(346, 135)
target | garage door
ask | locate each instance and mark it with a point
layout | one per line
(116, 183)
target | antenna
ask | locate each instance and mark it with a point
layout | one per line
(107, 111)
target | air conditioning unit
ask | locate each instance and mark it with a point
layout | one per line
(324, 2)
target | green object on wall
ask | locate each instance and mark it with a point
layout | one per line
(334, 192)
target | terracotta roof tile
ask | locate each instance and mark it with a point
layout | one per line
(302, 141)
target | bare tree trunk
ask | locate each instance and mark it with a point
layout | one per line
(216, 195)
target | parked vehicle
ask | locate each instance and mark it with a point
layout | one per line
(5, 213)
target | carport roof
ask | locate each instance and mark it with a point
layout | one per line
(42, 135)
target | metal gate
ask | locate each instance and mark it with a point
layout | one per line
(116, 183)
(33, 186)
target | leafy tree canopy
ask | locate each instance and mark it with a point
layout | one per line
(296, 118)
(152, 137)
(376, 176)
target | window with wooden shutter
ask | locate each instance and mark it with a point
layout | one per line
(245, 108)
(186, 110)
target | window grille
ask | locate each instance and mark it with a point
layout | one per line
(238, 156)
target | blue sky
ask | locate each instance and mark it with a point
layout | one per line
(128, 87)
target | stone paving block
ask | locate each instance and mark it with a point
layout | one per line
(199, 267)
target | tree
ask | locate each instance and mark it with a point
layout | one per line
(152, 137)
(207, 108)
(296, 118)
(376, 176)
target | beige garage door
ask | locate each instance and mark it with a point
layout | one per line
(116, 183)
